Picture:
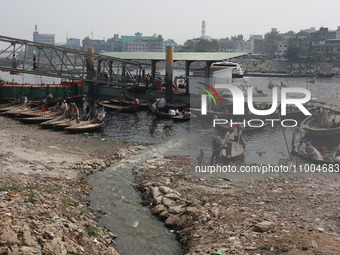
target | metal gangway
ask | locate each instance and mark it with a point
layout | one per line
(67, 63)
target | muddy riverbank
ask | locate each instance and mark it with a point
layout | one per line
(286, 215)
(43, 190)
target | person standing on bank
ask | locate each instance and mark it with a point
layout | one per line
(216, 149)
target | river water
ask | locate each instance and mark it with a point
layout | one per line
(138, 231)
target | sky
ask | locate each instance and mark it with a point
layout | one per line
(177, 19)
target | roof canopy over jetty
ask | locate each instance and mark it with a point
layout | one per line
(188, 57)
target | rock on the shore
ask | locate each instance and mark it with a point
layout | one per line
(264, 226)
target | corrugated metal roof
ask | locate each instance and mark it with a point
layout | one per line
(178, 56)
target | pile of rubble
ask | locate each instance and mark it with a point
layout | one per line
(221, 216)
(48, 215)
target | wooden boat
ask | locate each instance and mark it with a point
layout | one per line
(143, 104)
(6, 105)
(312, 124)
(294, 151)
(336, 157)
(237, 151)
(15, 111)
(64, 123)
(40, 119)
(51, 122)
(314, 131)
(114, 107)
(36, 113)
(225, 128)
(85, 126)
(9, 107)
(157, 113)
(182, 117)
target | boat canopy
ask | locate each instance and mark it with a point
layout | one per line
(331, 103)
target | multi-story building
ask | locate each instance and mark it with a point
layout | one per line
(138, 42)
(256, 44)
(115, 43)
(73, 43)
(43, 38)
(97, 45)
(225, 45)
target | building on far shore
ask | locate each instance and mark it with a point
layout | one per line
(138, 42)
(73, 43)
(167, 43)
(43, 38)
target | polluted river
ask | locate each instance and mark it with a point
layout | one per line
(138, 231)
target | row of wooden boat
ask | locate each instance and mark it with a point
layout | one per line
(49, 119)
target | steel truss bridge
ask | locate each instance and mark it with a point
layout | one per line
(67, 63)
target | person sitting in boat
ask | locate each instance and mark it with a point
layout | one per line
(322, 150)
(324, 116)
(63, 106)
(21, 98)
(137, 101)
(17, 100)
(177, 112)
(69, 111)
(101, 114)
(302, 148)
(172, 112)
(49, 96)
(216, 149)
(187, 114)
(313, 153)
(87, 112)
(44, 104)
(76, 112)
(25, 100)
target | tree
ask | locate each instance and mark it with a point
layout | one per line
(200, 45)
(295, 54)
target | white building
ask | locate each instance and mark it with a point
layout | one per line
(43, 38)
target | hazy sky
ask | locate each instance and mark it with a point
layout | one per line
(176, 19)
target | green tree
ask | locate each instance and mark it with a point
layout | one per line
(295, 53)
(200, 45)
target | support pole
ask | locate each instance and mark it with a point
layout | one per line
(153, 73)
(110, 71)
(207, 68)
(169, 72)
(90, 76)
(187, 72)
(123, 72)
